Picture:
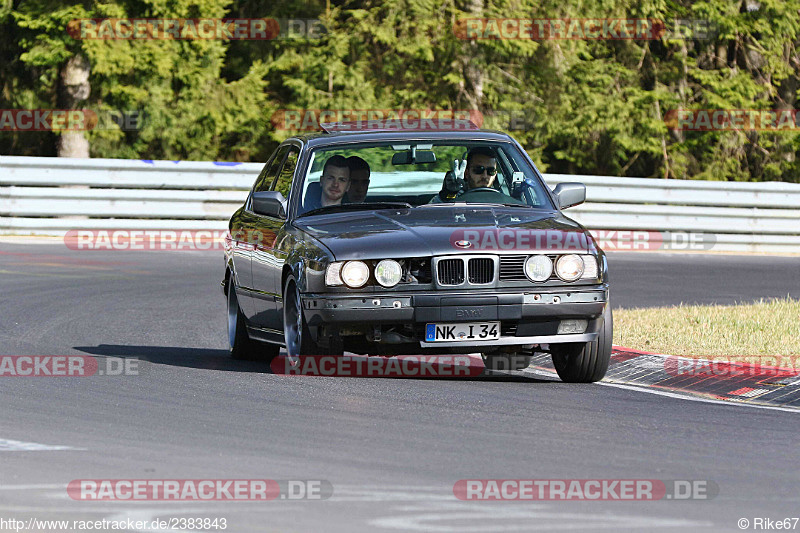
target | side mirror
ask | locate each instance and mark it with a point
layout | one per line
(570, 194)
(269, 203)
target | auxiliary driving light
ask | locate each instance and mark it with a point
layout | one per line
(388, 273)
(538, 267)
(572, 326)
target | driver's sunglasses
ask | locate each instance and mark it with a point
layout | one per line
(477, 169)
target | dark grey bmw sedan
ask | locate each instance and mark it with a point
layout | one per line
(410, 242)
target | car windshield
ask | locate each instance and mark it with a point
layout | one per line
(419, 173)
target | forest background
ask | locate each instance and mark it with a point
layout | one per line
(578, 106)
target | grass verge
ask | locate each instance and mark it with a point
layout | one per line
(765, 332)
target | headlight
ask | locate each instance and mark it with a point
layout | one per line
(355, 274)
(569, 267)
(538, 267)
(388, 272)
(333, 275)
(589, 267)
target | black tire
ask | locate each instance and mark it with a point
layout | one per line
(585, 362)
(506, 361)
(295, 330)
(241, 346)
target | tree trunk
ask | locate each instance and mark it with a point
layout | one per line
(73, 91)
(472, 65)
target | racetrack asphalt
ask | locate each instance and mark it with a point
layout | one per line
(391, 448)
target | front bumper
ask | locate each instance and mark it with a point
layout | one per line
(530, 317)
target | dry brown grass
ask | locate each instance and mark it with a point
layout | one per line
(766, 332)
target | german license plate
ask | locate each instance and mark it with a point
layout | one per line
(462, 331)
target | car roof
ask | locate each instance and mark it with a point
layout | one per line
(316, 140)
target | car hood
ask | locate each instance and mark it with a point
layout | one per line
(427, 231)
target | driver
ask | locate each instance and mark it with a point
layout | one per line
(481, 168)
(480, 171)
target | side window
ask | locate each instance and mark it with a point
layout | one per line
(267, 175)
(284, 182)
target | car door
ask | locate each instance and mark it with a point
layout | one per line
(245, 235)
(268, 256)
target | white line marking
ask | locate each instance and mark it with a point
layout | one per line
(7, 445)
(457, 518)
(792, 381)
(33, 487)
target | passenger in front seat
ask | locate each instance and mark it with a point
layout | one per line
(333, 184)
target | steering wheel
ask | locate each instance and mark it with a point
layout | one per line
(486, 194)
(481, 189)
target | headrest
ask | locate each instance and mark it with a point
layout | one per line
(313, 194)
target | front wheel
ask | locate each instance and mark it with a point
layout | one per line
(585, 362)
(240, 344)
(295, 330)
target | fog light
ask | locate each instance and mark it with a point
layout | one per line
(572, 326)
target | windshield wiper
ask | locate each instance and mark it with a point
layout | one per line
(462, 204)
(513, 205)
(366, 206)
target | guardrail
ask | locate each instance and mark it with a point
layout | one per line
(50, 196)
(734, 216)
